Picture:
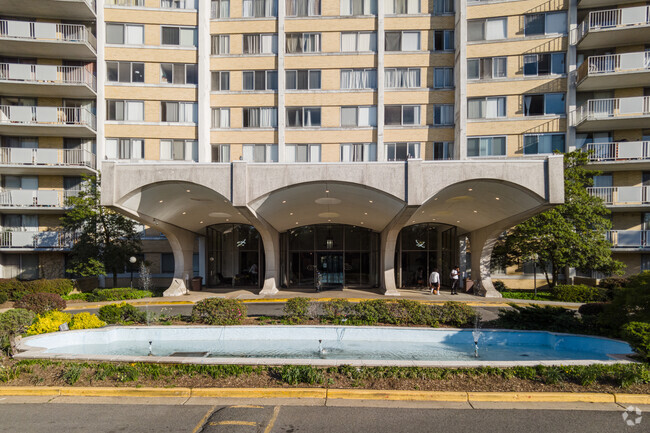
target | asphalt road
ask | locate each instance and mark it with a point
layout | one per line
(251, 418)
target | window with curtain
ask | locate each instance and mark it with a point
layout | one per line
(179, 150)
(262, 117)
(358, 42)
(260, 153)
(124, 110)
(302, 79)
(220, 81)
(219, 9)
(124, 148)
(443, 7)
(180, 36)
(186, 112)
(401, 7)
(486, 146)
(260, 80)
(402, 151)
(358, 116)
(302, 8)
(544, 64)
(221, 153)
(303, 116)
(178, 73)
(487, 29)
(124, 34)
(486, 108)
(402, 41)
(401, 114)
(358, 7)
(220, 44)
(486, 68)
(395, 78)
(358, 79)
(125, 72)
(302, 43)
(547, 103)
(543, 143)
(443, 40)
(302, 152)
(443, 150)
(443, 78)
(220, 118)
(259, 8)
(358, 152)
(549, 23)
(443, 114)
(178, 4)
(260, 44)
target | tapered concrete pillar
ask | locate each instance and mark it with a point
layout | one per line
(482, 243)
(388, 239)
(271, 243)
(182, 243)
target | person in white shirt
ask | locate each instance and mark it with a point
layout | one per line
(455, 274)
(434, 282)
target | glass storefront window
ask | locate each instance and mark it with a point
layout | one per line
(235, 256)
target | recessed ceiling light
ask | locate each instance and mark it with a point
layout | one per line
(290, 213)
(284, 201)
(469, 189)
(365, 213)
(200, 222)
(187, 190)
(184, 213)
(327, 190)
(329, 221)
(435, 199)
(458, 221)
(413, 221)
(296, 222)
(422, 212)
(433, 219)
(160, 201)
(361, 222)
(369, 201)
(227, 219)
(475, 211)
(497, 198)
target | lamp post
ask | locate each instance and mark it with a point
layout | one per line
(132, 260)
(535, 257)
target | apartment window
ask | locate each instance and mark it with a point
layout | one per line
(486, 68)
(125, 34)
(124, 148)
(395, 78)
(544, 64)
(547, 103)
(302, 8)
(303, 152)
(487, 29)
(178, 4)
(179, 150)
(186, 112)
(443, 40)
(260, 44)
(402, 41)
(543, 143)
(358, 7)
(260, 153)
(401, 7)
(303, 43)
(545, 24)
(486, 108)
(260, 80)
(135, 3)
(20, 223)
(358, 79)
(443, 7)
(402, 151)
(220, 44)
(402, 115)
(443, 114)
(358, 41)
(303, 116)
(358, 116)
(303, 79)
(180, 36)
(358, 152)
(131, 111)
(486, 146)
(220, 118)
(221, 153)
(125, 72)
(443, 78)
(220, 81)
(259, 8)
(263, 117)
(443, 150)
(178, 73)
(20, 142)
(20, 266)
(220, 9)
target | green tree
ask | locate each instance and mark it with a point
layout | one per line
(105, 240)
(570, 235)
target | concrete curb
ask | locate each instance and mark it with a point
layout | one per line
(322, 393)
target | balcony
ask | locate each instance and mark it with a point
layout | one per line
(48, 40)
(629, 240)
(619, 156)
(21, 200)
(624, 198)
(46, 81)
(35, 240)
(614, 28)
(46, 121)
(83, 10)
(613, 113)
(614, 71)
(593, 4)
(45, 161)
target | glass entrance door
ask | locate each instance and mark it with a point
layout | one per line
(330, 267)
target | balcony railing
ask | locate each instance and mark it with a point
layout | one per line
(130, 3)
(614, 63)
(25, 198)
(36, 239)
(47, 115)
(595, 109)
(46, 32)
(629, 238)
(621, 195)
(629, 150)
(47, 74)
(614, 18)
(47, 157)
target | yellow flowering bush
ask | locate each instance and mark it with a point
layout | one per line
(86, 321)
(48, 322)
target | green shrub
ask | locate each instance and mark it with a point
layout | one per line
(76, 296)
(3, 297)
(373, 311)
(579, 293)
(13, 322)
(614, 283)
(638, 335)
(457, 314)
(218, 311)
(16, 289)
(592, 309)
(41, 303)
(543, 318)
(500, 286)
(630, 304)
(117, 294)
(121, 313)
(295, 374)
(86, 321)
(48, 322)
(336, 310)
(297, 309)
(528, 294)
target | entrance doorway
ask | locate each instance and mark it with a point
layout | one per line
(235, 256)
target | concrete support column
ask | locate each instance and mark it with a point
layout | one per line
(202, 259)
(482, 242)
(388, 244)
(182, 243)
(460, 77)
(381, 148)
(462, 259)
(205, 82)
(271, 242)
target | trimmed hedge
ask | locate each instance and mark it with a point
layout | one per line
(592, 309)
(117, 294)
(579, 293)
(218, 311)
(16, 289)
(296, 309)
(41, 303)
(121, 313)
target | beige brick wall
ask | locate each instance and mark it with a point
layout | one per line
(51, 265)
(49, 222)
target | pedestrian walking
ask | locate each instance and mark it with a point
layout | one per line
(455, 280)
(434, 282)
